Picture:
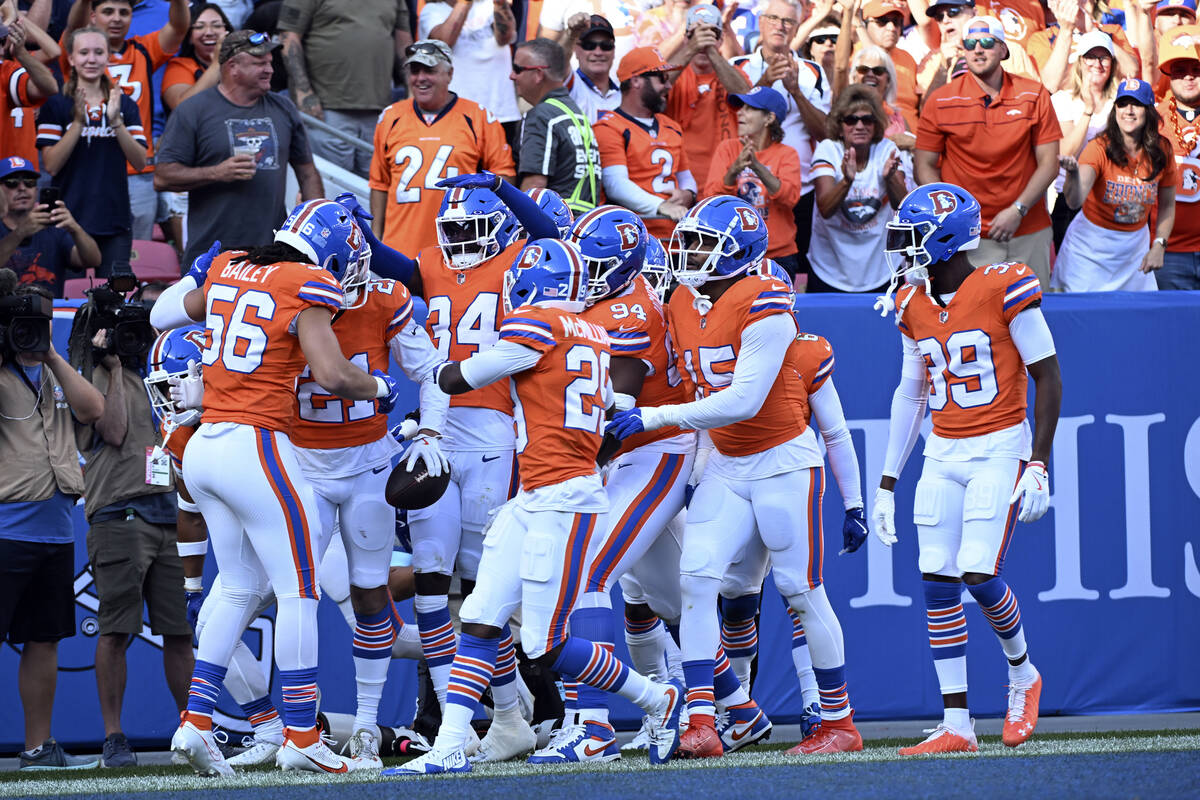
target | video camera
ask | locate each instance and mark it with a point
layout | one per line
(24, 324)
(130, 334)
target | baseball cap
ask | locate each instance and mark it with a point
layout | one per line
(1188, 6)
(985, 26)
(874, 9)
(1181, 43)
(641, 60)
(763, 98)
(1093, 39)
(946, 3)
(598, 24)
(1137, 90)
(429, 52)
(256, 44)
(14, 165)
(703, 14)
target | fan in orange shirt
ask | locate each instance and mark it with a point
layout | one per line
(26, 82)
(884, 21)
(197, 67)
(759, 168)
(418, 142)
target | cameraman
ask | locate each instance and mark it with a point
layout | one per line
(39, 242)
(39, 483)
(130, 507)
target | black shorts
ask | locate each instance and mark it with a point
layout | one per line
(37, 591)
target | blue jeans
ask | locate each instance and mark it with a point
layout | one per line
(1179, 271)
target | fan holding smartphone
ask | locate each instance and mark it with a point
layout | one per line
(39, 238)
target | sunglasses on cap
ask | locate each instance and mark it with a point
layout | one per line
(427, 48)
(824, 38)
(604, 44)
(518, 69)
(13, 182)
(850, 120)
(943, 14)
(255, 39)
(863, 69)
(986, 42)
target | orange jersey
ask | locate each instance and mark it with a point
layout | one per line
(706, 349)
(326, 421)
(412, 155)
(1122, 199)
(253, 357)
(700, 104)
(1185, 139)
(976, 376)
(465, 309)
(784, 163)
(637, 328)
(559, 401)
(181, 70)
(653, 156)
(18, 134)
(815, 357)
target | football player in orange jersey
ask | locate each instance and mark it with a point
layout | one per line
(537, 544)
(267, 312)
(969, 336)
(736, 343)
(461, 281)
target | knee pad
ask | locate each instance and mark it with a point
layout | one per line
(934, 560)
(972, 557)
(790, 585)
(928, 502)
(982, 498)
(537, 558)
(696, 561)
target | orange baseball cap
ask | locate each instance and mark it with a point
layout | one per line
(874, 9)
(1181, 43)
(641, 60)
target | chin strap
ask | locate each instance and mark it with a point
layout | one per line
(700, 302)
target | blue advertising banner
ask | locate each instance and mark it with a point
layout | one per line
(1108, 580)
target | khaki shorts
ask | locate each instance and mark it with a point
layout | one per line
(134, 561)
(1032, 249)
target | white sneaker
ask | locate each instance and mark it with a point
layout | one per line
(580, 743)
(433, 763)
(261, 752)
(178, 759)
(641, 741)
(316, 757)
(200, 749)
(408, 644)
(364, 750)
(508, 737)
(471, 745)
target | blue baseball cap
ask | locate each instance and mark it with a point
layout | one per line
(763, 98)
(1137, 90)
(1188, 6)
(15, 164)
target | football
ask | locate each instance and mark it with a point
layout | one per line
(416, 489)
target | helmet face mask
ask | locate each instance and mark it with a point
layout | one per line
(612, 242)
(656, 267)
(721, 237)
(905, 250)
(472, 227)
(172, 356)
(549, 273)
(329, 237)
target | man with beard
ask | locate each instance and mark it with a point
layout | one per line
(1179, 53)
(645, 166)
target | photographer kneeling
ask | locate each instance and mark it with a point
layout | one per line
(130, 502)
(40, 395)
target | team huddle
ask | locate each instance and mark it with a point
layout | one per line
(601, 410)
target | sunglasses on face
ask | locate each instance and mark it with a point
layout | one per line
(518, 69)
(943, 14)
(890, 19)
(852, 120)
(661, 76)
(28, 183)
(606, 45)
(1186, 70)
(824, 38)
(1094, 57)
(986, 42)
(863, 69)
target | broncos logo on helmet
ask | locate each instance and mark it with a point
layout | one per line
(613, 243)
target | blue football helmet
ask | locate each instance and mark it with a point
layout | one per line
(771, 269)
(474, 225)
(328, 235)
(549, 272)
(721, 237)
(551, 203)
(656, 267)
(171, 355)
(613, 243)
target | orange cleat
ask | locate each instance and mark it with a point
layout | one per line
(1022, 716)
(700, 740)
(834, 736)
(943, 740)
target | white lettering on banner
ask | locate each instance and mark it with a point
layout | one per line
(1136, 435)
(881, 590)
(1191, 469)
(1064, 500)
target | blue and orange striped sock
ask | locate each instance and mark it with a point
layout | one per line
(1000, 606)
(207, 679)
(728, 691)
(504, 679)
(589, 663)
(739, 633)
(594, 624)
(438, 641)
(372, 649)
(835, 700)
(470, 675)
(264, 718)
(947, 634)
(701, 702)
(802, 660)
(299, 690)
(645, 646)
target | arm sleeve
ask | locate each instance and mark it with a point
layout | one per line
(167, 312)
(908, 409)
(538, 224)
(831, 421)
(684, 180)
(1031, 335)
(504, 359)
(764, 344)
(417, 357)
(624, 192)
(387, 262)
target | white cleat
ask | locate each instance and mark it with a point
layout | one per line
(664, 721)
(641, 741)
(471, 745)
(261, 752)
(200, 749)
(408, 644)
(316, 757)
(364, 750)
(507, 738)
(435, 762)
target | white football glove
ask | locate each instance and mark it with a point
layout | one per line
(1033, 490)
(883, 516)
(698, 464)
(425, 448)
(188, 393)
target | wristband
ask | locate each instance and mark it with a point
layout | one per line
(382, 389)
(193, 585)
(192, 548)
(1038, 464)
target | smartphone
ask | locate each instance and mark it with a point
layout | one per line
(48, 196)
